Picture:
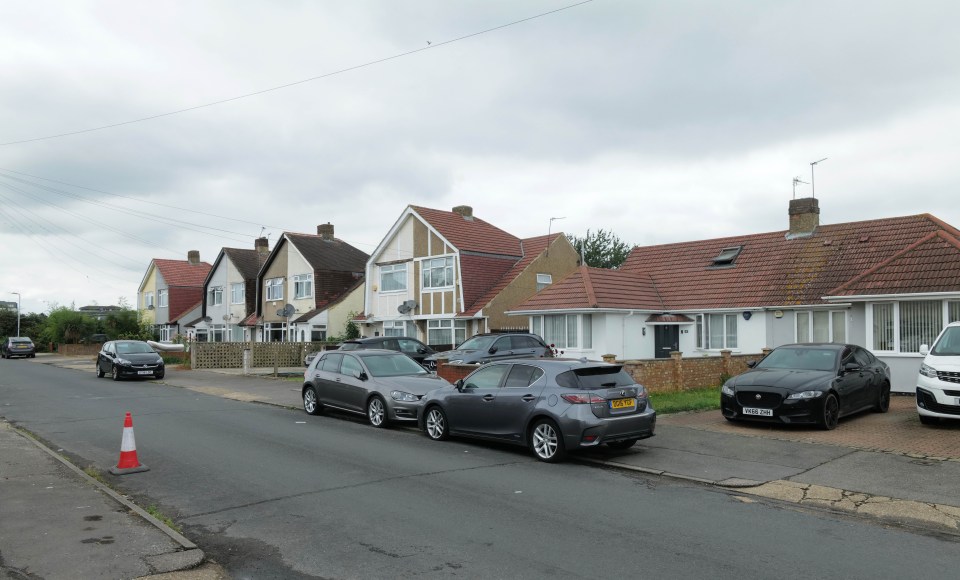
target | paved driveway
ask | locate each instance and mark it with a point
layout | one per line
(897, 431)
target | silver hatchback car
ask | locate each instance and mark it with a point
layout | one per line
(549, 405)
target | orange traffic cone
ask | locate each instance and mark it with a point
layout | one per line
(128, 451)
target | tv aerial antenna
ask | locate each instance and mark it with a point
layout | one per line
(797, 180)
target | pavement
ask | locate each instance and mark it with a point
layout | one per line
(58, 522)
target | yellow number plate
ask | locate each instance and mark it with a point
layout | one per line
(622, 404)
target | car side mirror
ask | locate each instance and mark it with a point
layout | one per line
(924, 349)
(492, 350)
(851, 367)
(421, 350)
(360, 375)
(459, 384)
(751, 363)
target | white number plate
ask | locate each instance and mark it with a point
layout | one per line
(758, 412)
(144, 372)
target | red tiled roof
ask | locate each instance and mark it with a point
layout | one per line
(472, 235)
(183, 300)
(532, 247)
(250, 320)
(597, 288)
(772, 270)
(182, 272)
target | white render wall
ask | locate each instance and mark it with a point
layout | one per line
(224, 275)
(383, 305)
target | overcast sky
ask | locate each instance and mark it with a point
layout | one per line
(658, 120)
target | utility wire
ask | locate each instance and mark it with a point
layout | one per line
(300, 82)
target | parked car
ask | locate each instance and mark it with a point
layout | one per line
(408, 346)
(938, 383)
(549, 405)
(129, 359)
(484, 348)
(18, 346)
(808, 384)
(384, 385)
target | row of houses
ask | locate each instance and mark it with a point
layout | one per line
(442, 276)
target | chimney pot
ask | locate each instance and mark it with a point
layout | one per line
(193, 256)
(465, 211)
(325, 231)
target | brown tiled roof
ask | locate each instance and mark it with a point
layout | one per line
(247, 262)
(182, 272)
(329, 254)
(932, 264)
(597, 288)
(532, 247)
(772, 270)
(473, 234)
(480, 273)
(250, 320)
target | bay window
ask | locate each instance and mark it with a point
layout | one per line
(564, 331)
(903, 326)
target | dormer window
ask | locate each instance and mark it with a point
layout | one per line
(726, 257)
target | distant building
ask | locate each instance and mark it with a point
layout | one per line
(8, 305)
(98, 312)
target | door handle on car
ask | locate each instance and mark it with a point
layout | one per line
(528, 398)
(488, 398)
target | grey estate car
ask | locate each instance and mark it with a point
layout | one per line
(549, 405)
(384, 385)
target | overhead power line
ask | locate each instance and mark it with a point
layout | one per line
(430, 46)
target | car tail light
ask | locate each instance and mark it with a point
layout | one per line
(583, 398)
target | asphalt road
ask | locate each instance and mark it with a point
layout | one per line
(274, 493)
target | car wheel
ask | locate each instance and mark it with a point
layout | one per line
(830, 412)
(883, 399)
(622, 444)
(435, 424)
(311, 404)
(115, 373)
(928, 420)
(33, 356)
(546, 441)
(377, 411)
(100, 372)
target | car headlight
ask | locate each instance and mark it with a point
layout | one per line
(727, 390)
(928, 371)
(805, 395)
(124, 362)
(403, 396)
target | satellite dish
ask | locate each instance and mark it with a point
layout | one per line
(280, 312)
(289, 310)
(207, 319)
(226, 317)
(150, 307)
(407, 306)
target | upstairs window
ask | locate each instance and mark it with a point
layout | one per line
(726, 257)
(393, 277)
(274, 289)
(161, 298)
(303, 286)
(544, 280)
(148, 300)
(216, 296)
(437, 272)
(237, 293)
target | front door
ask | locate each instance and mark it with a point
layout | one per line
(666, 339)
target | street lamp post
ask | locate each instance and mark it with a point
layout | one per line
(18, 312)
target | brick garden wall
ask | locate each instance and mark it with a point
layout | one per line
(78, 349)
(670, 374)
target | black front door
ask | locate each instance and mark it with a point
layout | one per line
(666, 339)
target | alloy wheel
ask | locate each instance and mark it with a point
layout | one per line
(436, 424)
(545, 441)
(377, 412)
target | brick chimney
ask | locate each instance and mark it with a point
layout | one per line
(804, 217)
(193, 256)
(325, 231)
(262, 246)
(464, 210)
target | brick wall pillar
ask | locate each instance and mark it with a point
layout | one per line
(725, 362)
(677, 358)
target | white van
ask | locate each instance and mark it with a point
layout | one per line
(938, 384)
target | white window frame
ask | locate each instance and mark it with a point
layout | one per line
(395, 328)
(302, 286)
(809, 334)
(162, 298)
(948, 309)
(427, 267)
(577, 330)
(147, 299)
(273, 289)
(544, 280)
(234, 298)
(216, 296)
(703, 324)
(457, 330)
(393, 278)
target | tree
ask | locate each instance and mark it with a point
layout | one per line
(64, 325)
(601, 249)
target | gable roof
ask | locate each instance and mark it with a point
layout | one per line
(470, 234)
(589, 288)
(182, 272)
(247, 262)
(772, 270)
(327, 253)
(486, 284)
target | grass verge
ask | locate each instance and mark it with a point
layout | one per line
(155, 512)
(691, 400)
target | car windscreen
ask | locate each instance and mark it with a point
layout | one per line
(949, 343)
(478, 343)
(393, 365)
(804, 359)
(133, 347)
(595, 378)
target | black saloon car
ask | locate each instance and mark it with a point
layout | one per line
(484, 348)
(808, 384)
(550, 406)
(129, 359)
